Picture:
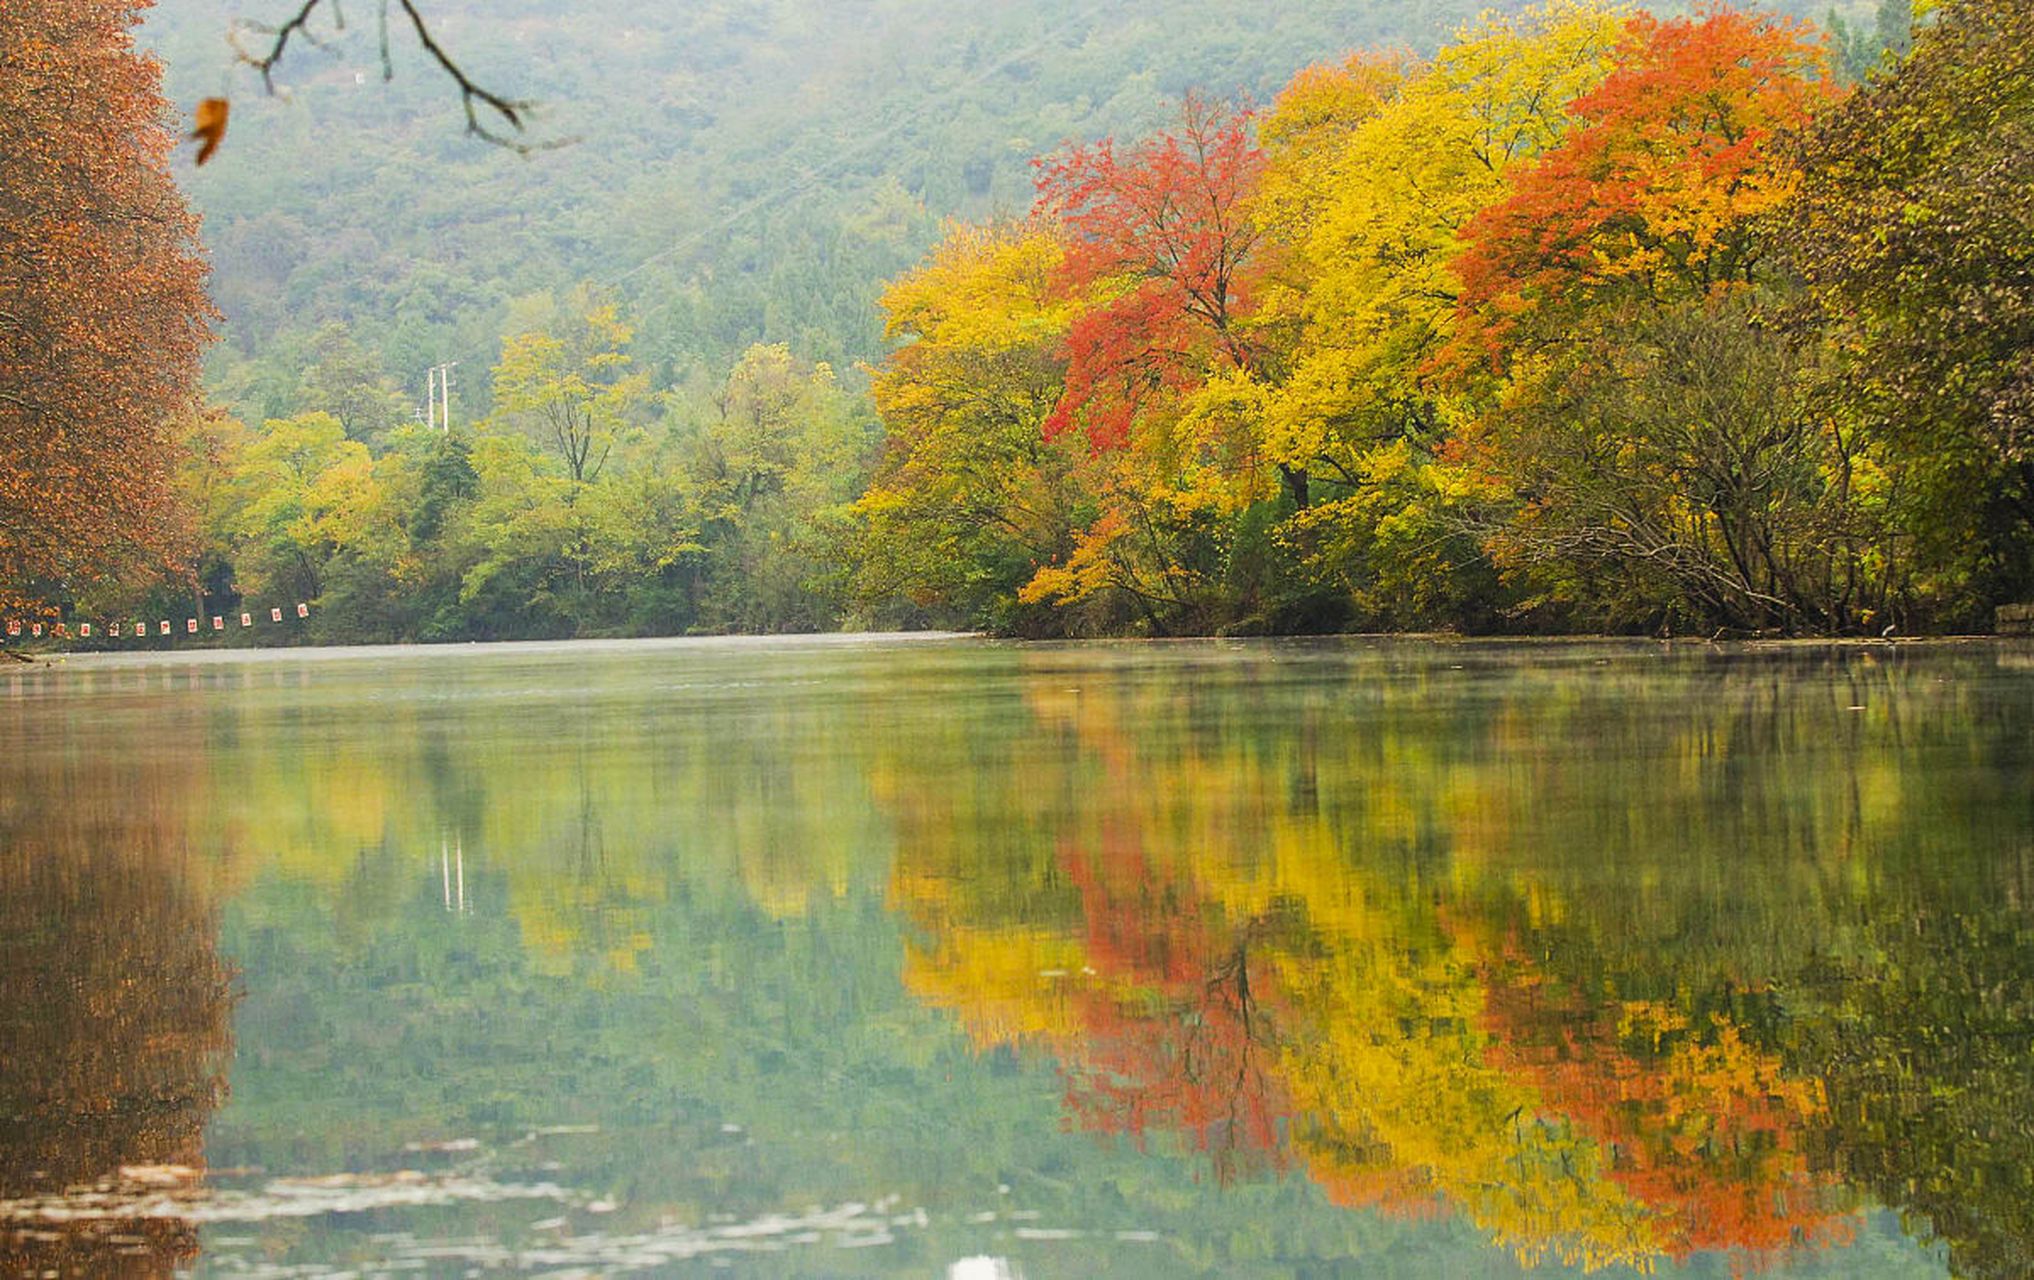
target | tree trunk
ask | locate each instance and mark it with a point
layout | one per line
(1295, 485)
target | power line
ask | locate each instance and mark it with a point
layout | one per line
(805, 183)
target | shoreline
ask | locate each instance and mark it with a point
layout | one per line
(847, 641)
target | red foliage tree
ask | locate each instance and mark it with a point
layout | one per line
(1161, 234)
(103, 313)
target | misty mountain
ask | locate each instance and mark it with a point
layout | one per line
(733, 172)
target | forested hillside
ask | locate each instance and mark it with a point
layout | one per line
(737, 172)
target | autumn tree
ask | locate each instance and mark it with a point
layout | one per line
(1370, 285)
(1656, 189)
(970, 496)
(102, 307)
(1160, 233)
(1164, 257)
(571, 389)
(1373, 172)
(1649, 445)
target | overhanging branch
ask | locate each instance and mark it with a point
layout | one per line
(490, 116)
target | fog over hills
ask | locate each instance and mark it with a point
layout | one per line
(735, 172)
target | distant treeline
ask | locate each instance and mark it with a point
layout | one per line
(1592, 320)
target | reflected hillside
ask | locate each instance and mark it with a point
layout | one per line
(1608, 961)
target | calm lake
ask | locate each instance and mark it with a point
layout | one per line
(935, 957)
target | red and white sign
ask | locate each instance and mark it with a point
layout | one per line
(246, 619)
(190, 626)
(85, 630)
(303, 611)
(14, 626)
(165, 626)
(35, 630)
(218, 623)
(275, 615)
(140, 627)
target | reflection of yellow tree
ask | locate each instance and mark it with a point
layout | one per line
(571, 820)
(1391, 1078)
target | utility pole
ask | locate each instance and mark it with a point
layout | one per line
(438, 387)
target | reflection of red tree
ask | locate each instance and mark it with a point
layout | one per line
(1699, 1123)
(1174, 1032)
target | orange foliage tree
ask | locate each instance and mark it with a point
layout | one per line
(103, 313)
(1655, 190)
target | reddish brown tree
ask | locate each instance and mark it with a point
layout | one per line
(103, 313)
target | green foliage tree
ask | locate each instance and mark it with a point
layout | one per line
(780, 453)
(572, 394)
(349, 382)
(1676, 469)
(304, 493)
(1914, 229)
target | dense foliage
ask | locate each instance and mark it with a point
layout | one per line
(1594, 319)
(584, 505)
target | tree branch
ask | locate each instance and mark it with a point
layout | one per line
(487, 112)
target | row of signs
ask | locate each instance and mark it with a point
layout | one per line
(139, 629)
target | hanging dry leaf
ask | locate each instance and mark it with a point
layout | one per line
(211, 127)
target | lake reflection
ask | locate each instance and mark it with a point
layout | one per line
(845, 957)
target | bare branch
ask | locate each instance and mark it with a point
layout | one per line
(490, 116)
(471, 95)
(298, 23)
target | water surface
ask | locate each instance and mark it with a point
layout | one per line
(920, 957)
